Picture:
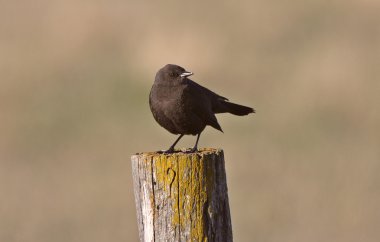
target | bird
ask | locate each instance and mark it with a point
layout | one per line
(184, 107)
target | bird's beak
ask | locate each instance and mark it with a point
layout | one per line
(186, 73)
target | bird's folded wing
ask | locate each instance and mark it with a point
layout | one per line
(202, 102)
(209, 93)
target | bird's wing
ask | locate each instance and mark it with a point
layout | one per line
(202, 101)
(217, 102)
(206, 91)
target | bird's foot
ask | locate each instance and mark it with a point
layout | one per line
(169, 151)
(193, 150)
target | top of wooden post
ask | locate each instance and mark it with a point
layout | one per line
(202, 151)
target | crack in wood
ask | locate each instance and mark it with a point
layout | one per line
(173, 175)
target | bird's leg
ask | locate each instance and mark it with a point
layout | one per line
(195, 148)
(171, 149)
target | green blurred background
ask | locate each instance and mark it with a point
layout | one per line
(75, 78)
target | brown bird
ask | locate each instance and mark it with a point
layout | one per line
(182, 106)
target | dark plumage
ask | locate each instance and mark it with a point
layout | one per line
(184, 107)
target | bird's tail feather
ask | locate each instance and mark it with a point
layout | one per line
(237, 109)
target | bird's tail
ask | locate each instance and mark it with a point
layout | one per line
(237, 109)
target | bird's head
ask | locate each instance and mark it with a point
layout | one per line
(172, 73)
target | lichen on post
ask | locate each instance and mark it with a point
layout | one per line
(182, 196)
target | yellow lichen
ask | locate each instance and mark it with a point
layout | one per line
(188, 181)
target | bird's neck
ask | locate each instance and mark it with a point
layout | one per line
(175, 83)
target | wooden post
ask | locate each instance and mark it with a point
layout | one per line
(182, 197)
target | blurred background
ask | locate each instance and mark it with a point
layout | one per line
(75, 78)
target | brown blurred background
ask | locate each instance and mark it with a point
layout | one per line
(75, 78)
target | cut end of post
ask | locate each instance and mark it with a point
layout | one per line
(201, 151)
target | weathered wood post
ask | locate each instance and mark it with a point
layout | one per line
(182, 197)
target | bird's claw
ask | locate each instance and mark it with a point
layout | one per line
(167, 152)
(193, 150)
(172, 151)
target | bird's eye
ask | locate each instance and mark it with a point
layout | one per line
(172, 74)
